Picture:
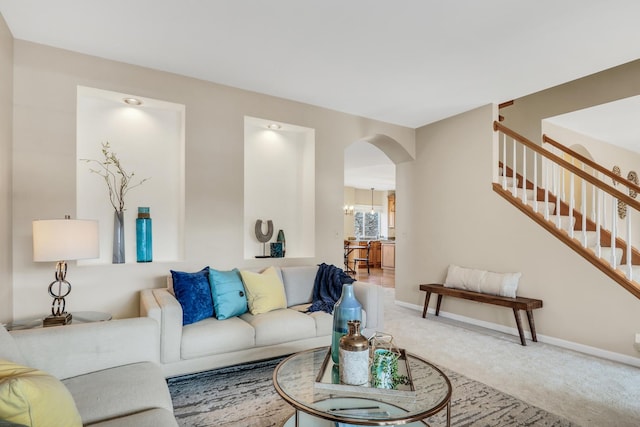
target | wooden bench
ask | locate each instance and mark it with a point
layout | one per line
(517, 303)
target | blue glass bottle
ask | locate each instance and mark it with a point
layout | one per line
(144, 249)
(346, 308)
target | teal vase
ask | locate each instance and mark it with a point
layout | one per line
(144, 243)
(346, 308)
(282, 240)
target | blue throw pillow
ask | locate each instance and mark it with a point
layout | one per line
(229, 298)
(193, 292)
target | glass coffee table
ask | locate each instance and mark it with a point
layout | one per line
(295, 381)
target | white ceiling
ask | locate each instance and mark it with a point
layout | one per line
(408, 62)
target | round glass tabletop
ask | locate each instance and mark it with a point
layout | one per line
(297, 380)
(78, 317)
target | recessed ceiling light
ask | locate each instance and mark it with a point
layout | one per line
(132, 101)
(274, 126)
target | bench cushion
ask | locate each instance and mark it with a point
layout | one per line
(487, 282)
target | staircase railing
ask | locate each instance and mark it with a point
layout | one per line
(567, 194)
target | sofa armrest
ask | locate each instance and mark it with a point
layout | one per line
(72, 350)
(149, 307)
(170, 325)
(372, 300)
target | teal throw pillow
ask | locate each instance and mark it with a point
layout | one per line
(193, 292)
(229, 298)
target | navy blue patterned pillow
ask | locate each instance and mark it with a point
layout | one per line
(193, 292)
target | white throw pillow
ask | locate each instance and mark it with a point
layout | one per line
(488, 282)
(464, 278)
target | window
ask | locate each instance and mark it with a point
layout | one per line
(366, 224)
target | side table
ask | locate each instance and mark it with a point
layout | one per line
(78, 317)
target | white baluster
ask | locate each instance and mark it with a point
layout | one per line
(524, 174)
(572, 204)
(629, 254)
(556, 169)
(535, 181)
(598, 218)
(593, 198)
(504, 161)
(604, 208)
(613, 232)
(583, 210)
(545, 178)
(513, 170)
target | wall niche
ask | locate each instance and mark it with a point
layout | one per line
(279, 185)
(149, 141)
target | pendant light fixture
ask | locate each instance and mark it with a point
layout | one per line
(372, 210)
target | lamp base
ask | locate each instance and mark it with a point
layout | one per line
(63, 319)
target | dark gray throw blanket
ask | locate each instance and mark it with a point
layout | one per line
(327, 287)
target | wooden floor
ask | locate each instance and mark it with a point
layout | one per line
(378, 276)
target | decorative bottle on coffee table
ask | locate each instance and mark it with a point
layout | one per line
(354, 356)
(346, 308)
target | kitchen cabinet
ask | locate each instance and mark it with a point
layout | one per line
(375, 255)
(391, 207)
(388, 255)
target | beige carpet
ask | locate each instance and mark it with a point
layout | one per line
(585, 390)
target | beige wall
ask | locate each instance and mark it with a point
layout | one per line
(45, 81)
(6, 129)
(449, 178)
(460, 220)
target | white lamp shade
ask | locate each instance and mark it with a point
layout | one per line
(65, 239)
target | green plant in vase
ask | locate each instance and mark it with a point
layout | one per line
(384, 370)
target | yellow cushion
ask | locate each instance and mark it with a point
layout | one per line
(265, 291)
(34, 398)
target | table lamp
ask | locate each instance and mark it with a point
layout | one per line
(63, 240)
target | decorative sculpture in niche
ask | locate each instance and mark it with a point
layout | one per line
(264, 237)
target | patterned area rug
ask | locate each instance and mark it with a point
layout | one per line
(244, 396)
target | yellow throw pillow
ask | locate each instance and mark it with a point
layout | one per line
(265, 291)
(34, 398)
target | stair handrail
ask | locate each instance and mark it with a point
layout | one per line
(569, 166)
(591, 163)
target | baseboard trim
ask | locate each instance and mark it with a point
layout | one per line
(569, 345)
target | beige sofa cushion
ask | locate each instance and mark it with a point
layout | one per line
(213, 336)
(269, 326)
(119, 391)
(324, 323)
(298, 283)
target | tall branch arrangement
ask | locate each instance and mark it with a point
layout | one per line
(118, 180)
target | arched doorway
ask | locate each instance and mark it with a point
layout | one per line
(370, 207)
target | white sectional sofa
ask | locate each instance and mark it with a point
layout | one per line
(110, 369)
(213, 343)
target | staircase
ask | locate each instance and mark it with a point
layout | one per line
(585, 205)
